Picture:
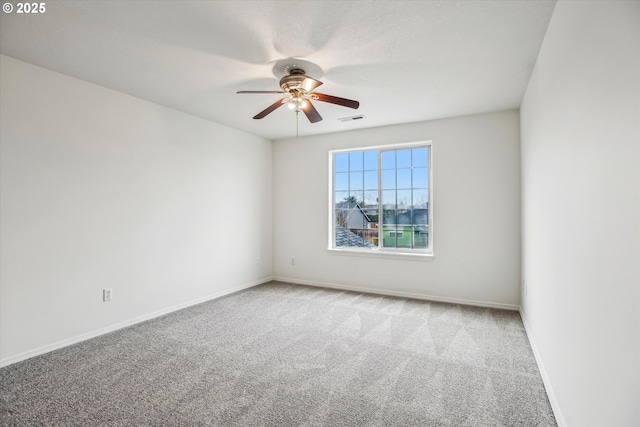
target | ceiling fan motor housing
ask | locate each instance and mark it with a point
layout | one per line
(297, 81)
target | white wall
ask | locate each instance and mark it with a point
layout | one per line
(100, 189)
(476, 212)
(581, 212)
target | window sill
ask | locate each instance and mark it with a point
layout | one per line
(376, 253)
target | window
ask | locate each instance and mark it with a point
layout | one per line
(380, 199)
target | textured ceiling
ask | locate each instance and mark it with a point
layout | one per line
(404, 61)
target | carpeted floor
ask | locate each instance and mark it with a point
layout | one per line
(287, 355)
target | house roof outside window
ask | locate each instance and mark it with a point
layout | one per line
(346, 238)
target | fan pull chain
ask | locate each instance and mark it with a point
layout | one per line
(297, 112)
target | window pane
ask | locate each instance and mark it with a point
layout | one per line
(420, 239)
(420, 217)
(341, 196)
(419, 157)
(341, 162)
(341, 218)
(389, 235)
(389, 218)
(420, 228)
(342, 181)
(404, 178)
(389, 179)
(388, 160)
(420, 178)
(420, 199)
(403, 158)
(355, 161)
(403, 236)
(358, 219)
(371, 160)
(404, 199)
(356, 196)
(371, 180)
(372, 214)
(355, 181)
(371, 199)
(389, 199)
(337, 236)
(403, 217)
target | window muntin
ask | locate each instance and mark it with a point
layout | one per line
(380, 199)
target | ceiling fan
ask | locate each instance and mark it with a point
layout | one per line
(299, 88)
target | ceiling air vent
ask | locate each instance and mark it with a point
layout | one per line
(351, 118)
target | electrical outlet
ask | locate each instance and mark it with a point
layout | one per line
(293, 261)
(107, 294)
(258, 261)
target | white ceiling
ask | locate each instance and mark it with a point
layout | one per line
(405, 61)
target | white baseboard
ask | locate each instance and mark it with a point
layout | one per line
(92, 334)
(401, 294)
(543, 373)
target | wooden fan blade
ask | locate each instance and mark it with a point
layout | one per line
(268, 110)
(259, 91)
(311, 112)
(336, 100)
(309, 84)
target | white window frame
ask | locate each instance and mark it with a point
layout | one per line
(384, 252)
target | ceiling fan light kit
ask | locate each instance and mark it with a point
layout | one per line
(299, 88)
